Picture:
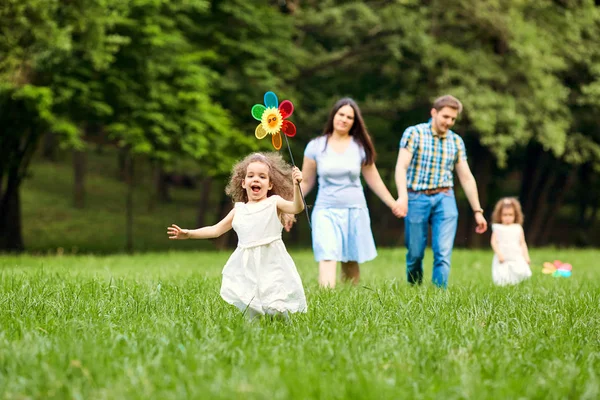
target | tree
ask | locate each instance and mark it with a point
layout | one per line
(37, 38)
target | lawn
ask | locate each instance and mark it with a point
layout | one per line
(152, 326)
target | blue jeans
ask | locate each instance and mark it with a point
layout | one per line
(439, 211)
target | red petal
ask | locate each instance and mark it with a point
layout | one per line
(288, 128)
(286, 108)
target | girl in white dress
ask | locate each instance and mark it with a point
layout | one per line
(511, 256)
(260, 277)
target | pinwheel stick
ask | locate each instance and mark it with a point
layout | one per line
(299, 187)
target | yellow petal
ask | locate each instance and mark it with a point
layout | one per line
(548, 268)
(548, 265)
(260, 132)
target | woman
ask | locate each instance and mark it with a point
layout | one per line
(341, 226)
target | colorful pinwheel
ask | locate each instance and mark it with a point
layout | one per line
(557, 269)
(272, 117)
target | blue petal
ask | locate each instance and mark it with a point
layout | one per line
(271, 100)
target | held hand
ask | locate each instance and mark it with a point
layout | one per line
(481, 223)
(401, 207)
(296, 175)
(396, 210)
(288, 222)
(176, 232)
(501, 258)
(288, 225)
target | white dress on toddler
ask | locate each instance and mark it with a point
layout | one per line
(260, 276)
(514, 269)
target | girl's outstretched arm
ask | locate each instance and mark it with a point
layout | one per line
(494, 243)
(208, 232)
(524, 247)
(297, 205)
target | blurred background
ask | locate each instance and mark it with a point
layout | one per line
(120, 117)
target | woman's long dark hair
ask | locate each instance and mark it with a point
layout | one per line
(358, 131)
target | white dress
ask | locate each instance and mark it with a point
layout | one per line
(260, 277)
(514, 269)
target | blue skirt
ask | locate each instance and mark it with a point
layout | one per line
(342, 234)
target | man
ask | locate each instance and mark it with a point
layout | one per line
(428, 154)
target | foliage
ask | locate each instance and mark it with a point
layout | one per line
(175, 80)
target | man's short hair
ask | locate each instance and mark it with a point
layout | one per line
(448, 101)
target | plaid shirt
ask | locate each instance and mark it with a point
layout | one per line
(433, 157)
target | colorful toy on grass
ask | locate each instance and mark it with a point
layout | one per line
(557, 269)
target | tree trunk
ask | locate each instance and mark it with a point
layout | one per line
(11, 237)
(121, 163)
(539, 210)
(225, 206)
(79, 165)
(483, 176)
(160, 187)
(16, 150)
(586, 234)
(49, 146)
(482, 167)
(558, 203)
(533, 182)
(588, 201)
(129, 201)
(204, 202)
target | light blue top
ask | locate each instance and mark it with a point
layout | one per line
(338, 174)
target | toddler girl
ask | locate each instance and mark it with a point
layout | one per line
(260, 277)
(511, 256)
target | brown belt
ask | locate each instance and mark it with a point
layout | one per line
(430, 192)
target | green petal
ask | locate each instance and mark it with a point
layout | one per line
(257, 111)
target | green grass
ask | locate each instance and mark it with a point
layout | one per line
(153, 326)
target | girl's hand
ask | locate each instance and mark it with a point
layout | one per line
(527, 260)
(296, 175)
(501, 258)
(176, 232)
(288, 222)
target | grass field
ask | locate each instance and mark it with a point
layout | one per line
(153, 326)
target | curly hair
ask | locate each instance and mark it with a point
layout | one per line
(280, 176)
(508, 202)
